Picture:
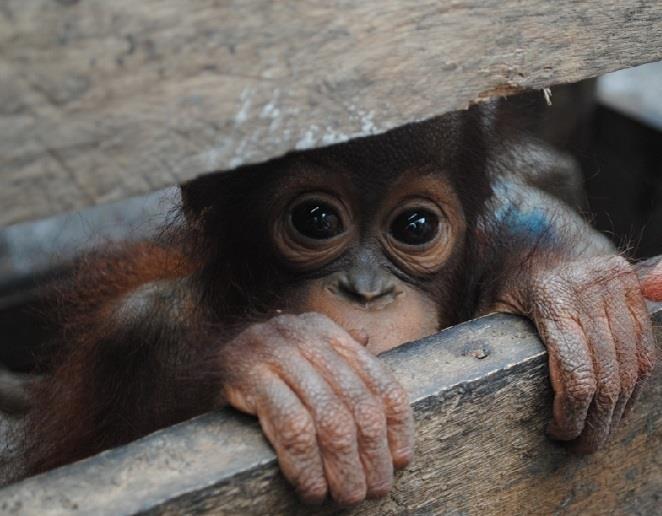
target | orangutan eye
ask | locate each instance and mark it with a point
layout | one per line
(317, 220)
(415, 226)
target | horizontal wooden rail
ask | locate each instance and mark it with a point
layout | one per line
(481, 398)
(102, 100)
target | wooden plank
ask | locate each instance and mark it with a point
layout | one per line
(102, 100)
(481, 399)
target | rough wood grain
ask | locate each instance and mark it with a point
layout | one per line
(101, 100)
(481, 449)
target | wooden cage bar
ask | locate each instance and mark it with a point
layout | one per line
(103, 100)
(481, 397)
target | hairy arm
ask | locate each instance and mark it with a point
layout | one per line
(128, 339)
(545, 262)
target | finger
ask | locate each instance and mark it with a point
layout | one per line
(241, 398)
(607, 377)
(368, 413)
(645, 342)
(625, 332)
(291, 431)
(571, 374)
(382, 383)
(335, 426)
(360, 336)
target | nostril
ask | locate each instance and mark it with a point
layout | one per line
(350, 293)
(364, 295)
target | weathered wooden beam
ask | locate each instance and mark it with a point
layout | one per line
(102, 100)
(481, 399)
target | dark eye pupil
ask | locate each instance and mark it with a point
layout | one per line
(415, 227)
(317, 220)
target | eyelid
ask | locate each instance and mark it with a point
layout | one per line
(319, 195)
(414, 202)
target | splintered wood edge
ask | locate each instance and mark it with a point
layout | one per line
(220, 461)
(104, 100)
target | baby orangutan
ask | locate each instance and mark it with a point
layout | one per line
(287, 279)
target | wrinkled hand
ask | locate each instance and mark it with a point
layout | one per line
(593, 319)
(337, 418)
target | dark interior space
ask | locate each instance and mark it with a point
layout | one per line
(622, 166)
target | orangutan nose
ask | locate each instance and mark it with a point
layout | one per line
(367, 286)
